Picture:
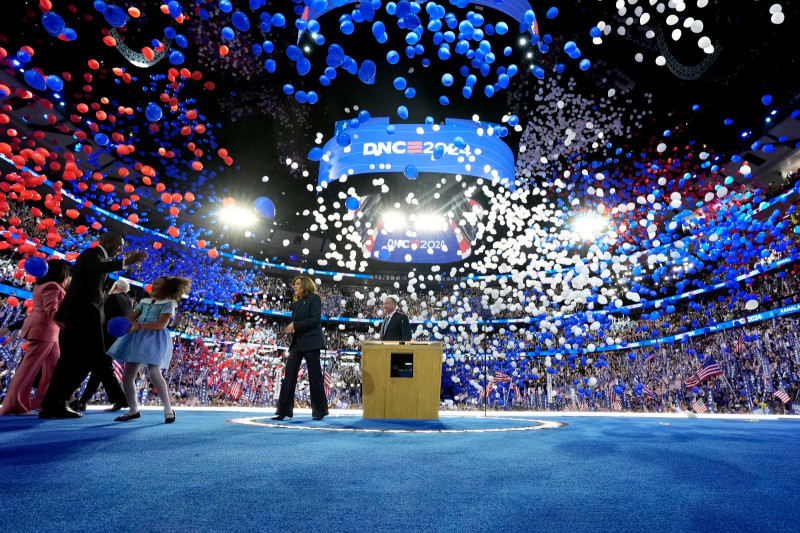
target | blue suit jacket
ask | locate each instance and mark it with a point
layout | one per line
(307, 320)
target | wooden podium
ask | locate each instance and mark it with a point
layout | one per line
(401, 381)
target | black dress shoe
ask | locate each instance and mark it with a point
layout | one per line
(79, 407)
(128, 416)
(170, 418)
(279, 417)
(58, 412)
(114, 407)
(317, 417)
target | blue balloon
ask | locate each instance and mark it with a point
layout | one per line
(118, 326)
(411, 172)
(53, 23)
(343, 140)
(36, 266)
(585, 64)
(315, 154)
(552, 13)
(240, 21)
(288, 88)
(115, 16)
(264, 207)
(392, 57)
(176, 57)
(278, 20)
(352, 203)
(101, 139)
(303, 66)
(402, 112)
(294, 53)
(399, 83)
(174, 9)
(766, 99)
(35, 80)
(383, 254)
(152, 112)
(366, 73)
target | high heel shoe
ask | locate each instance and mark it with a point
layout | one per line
(279, 417)
(170, 418)
(128, 416)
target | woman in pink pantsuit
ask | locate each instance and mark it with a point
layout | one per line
(41, 332)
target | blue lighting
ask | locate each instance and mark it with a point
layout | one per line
(15, 62)
(57, 96)
(774, 112)
(745, 134)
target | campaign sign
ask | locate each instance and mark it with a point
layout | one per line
(396, 246)
(456, 147)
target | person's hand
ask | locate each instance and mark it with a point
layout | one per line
(289, 328)
(134, 327)
(135, 257)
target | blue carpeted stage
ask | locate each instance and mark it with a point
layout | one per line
(227, 470)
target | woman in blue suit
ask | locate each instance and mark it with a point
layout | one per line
(307, 341)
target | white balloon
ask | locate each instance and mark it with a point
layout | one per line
(775, 8)
(778, 18)
(751, 304)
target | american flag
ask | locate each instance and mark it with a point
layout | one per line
(192, 401)
(616, 405)
(698, 407)
(500, 377)
(583, 406)
(651, 357)
(781, 395)
(649, 392)
(327, 384)
(236, 390)
(709, 368)
(517, 394)
(692, 381)
(487, 390)
(117, 369)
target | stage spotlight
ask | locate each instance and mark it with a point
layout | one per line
(589, 225)
(237, 216)
(429, 222)
(394, 220)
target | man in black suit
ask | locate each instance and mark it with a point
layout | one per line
(395, 326)
(82, 314)
(117, 303)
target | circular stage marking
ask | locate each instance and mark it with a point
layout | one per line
(533, 425)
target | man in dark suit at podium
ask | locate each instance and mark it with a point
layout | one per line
(395, 326)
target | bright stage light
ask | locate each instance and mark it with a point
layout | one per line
(237, 216)
(429, 222)
(588, 226)
(394, 220)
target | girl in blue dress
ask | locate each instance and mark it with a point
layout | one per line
(148, 342)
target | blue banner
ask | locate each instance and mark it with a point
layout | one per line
(458, 147)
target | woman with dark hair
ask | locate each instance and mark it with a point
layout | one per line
(148, 342)
(41, 331)
(307, 341)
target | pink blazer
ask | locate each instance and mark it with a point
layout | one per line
(39, 324)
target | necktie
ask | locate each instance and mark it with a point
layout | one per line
(383, 330)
